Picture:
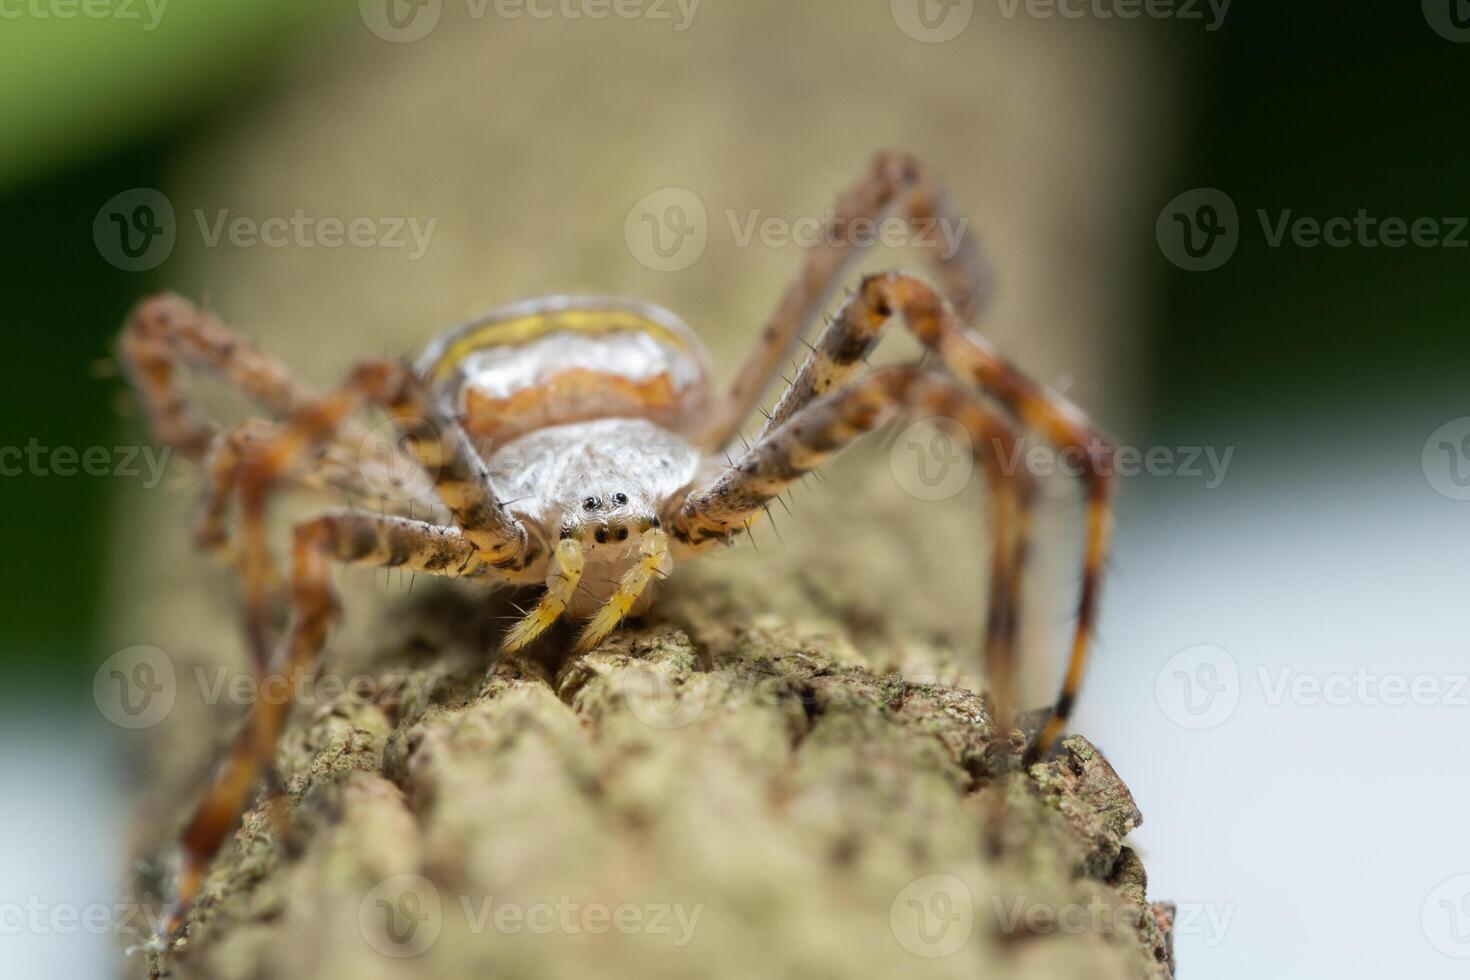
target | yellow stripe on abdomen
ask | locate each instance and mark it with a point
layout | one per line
(524, 329)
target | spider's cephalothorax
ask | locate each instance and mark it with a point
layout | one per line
(574, 443)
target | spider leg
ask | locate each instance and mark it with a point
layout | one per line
(165, 334)
(829, 424)
(352, 537)
(1013, 501)
(486, 540)
(1061, 423)
(839, 352)
(337, 471)
(221, 466)
(438, 443)
(895, 181)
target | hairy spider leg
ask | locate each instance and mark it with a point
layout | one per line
(894, 181)
(738, 494)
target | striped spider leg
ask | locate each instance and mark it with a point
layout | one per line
(164, 337)
(895, 181)
(483, 542)
(825, 425)
(823, 410)
(351, 537)
(593, 414)
(460, 479)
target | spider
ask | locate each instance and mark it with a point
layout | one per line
(573, 442)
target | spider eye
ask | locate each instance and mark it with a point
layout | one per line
(591, 503)
(601, 536)
(620, 499)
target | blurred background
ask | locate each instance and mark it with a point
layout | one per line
(1237, 235)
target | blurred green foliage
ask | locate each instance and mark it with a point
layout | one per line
(81, 76)
(93, 106)
(1321, 110)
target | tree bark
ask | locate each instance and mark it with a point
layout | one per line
(791, 745)
(699, 797)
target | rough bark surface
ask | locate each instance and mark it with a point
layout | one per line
(791, 744)
(750, 800)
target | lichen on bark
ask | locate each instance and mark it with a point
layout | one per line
(751, 800)
(789, 743)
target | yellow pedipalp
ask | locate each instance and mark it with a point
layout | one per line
(653, 562)
(562, 577)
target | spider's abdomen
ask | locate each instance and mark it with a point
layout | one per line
(559, 359)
